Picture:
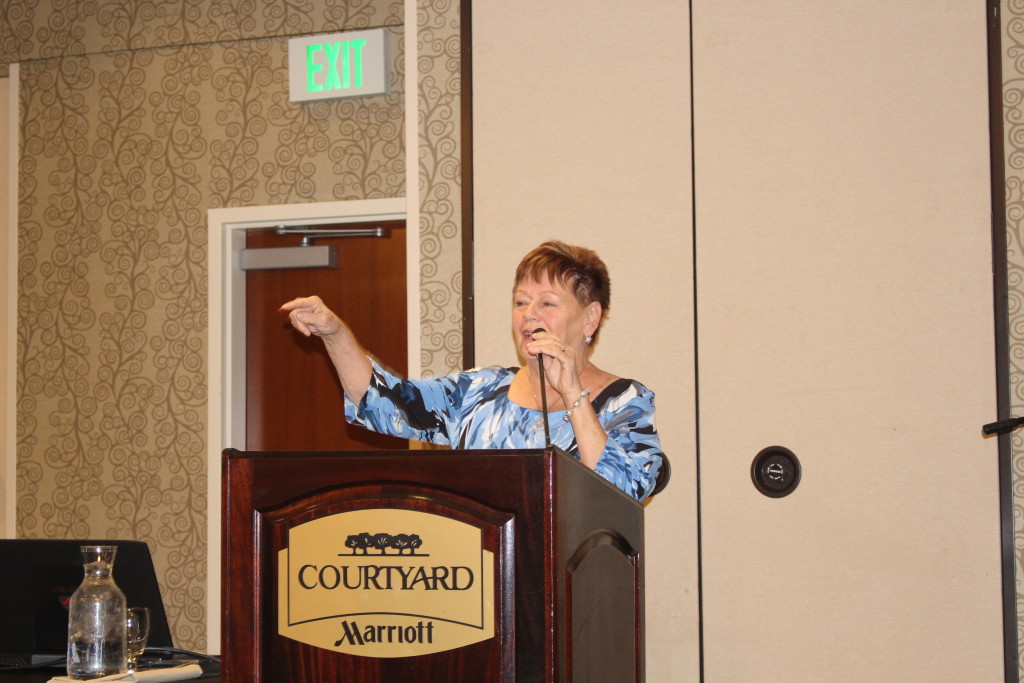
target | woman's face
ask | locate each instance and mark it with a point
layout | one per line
(555, 308)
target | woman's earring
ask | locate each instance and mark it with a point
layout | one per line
(588, 339)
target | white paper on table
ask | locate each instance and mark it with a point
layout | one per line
(172, 673)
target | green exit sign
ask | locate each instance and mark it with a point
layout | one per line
(351, 64)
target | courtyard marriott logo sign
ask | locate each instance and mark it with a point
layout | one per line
(385, 582)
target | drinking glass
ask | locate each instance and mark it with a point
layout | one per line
(137, 631)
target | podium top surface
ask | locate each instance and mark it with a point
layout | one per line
(450, 468)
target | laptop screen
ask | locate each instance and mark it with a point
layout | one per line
(39, 577)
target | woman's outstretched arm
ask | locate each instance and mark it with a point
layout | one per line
(311, 317)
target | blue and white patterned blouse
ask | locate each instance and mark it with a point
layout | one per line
(471, 410)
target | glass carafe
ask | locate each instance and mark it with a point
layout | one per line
(96, 619)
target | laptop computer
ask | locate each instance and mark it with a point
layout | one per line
(38, 578)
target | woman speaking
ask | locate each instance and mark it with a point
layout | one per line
(560, 298)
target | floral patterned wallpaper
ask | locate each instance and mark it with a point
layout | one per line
(135, 118)
(441, 220)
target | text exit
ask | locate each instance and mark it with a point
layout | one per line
(338, 65)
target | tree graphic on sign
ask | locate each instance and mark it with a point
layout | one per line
(361, 543)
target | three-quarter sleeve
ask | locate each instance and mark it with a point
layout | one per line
(424, 409)
(632, 456)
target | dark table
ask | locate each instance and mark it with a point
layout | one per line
(43, 675)
(211, 673)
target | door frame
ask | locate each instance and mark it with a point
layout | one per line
(226, 338)
(9, 306)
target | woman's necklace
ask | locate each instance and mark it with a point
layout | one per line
(551, 402)
(539, 422)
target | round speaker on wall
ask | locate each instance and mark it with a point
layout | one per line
(775, 471)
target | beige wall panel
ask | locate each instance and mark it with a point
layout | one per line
(845, 312)
(581, 115)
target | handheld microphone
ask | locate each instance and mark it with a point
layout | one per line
(543, 392)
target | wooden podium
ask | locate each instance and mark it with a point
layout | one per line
(564, 548)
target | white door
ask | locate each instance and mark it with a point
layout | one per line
(844, 312)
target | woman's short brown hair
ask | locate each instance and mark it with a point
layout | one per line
(578, 269)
